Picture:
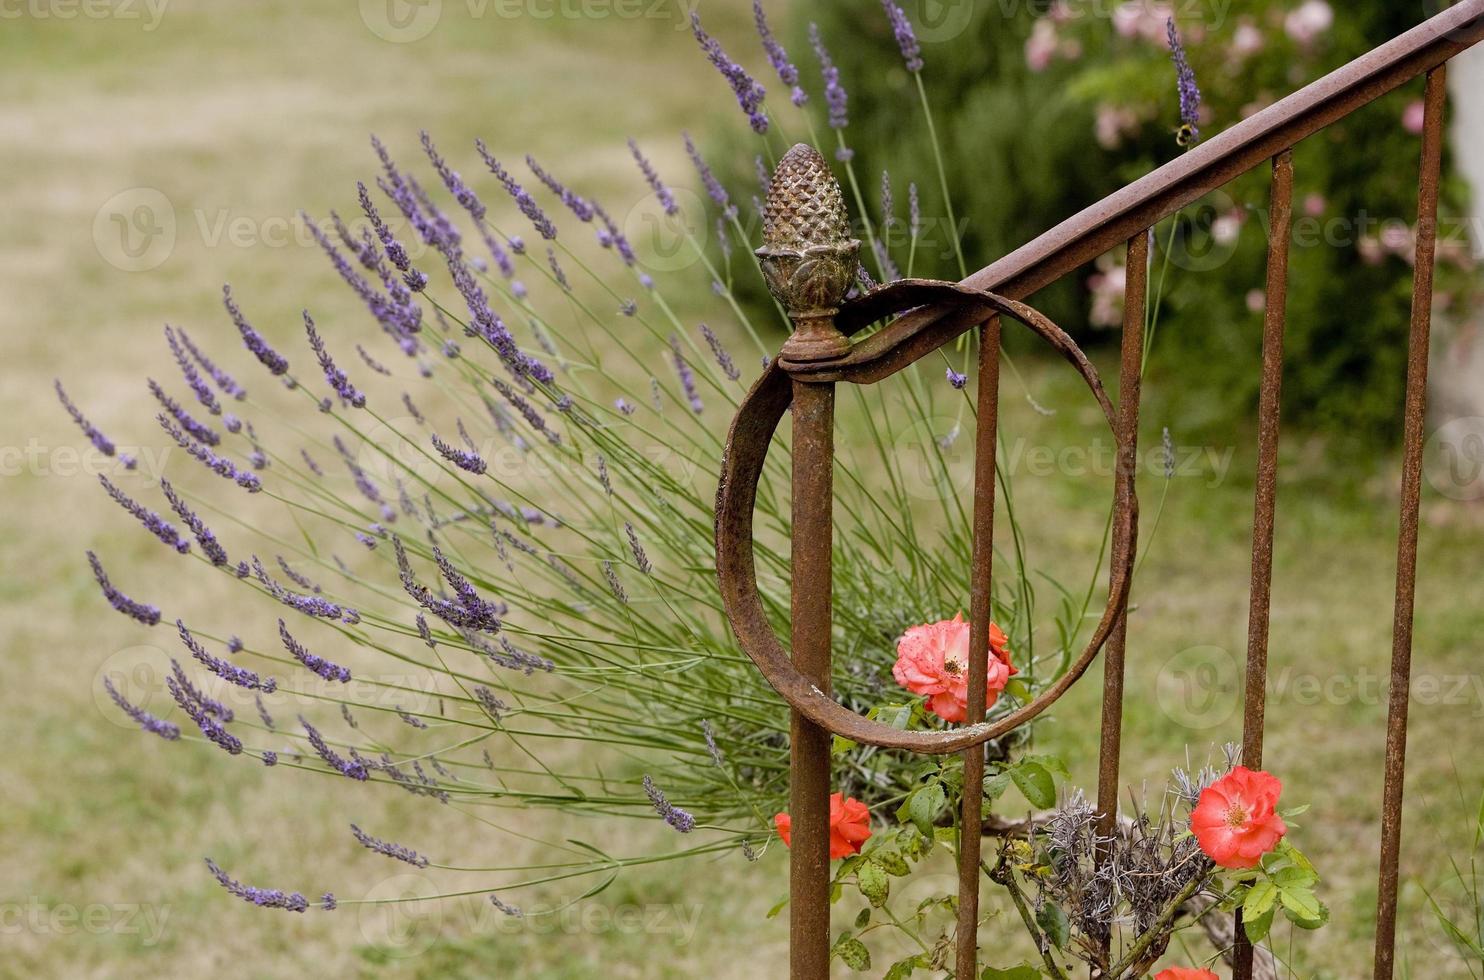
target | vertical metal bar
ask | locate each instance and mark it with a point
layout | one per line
(809, 794)
(981, 565)
(1406, 563)
(1129, 379)
(1269, 402)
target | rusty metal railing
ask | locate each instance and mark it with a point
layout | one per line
(810, 262)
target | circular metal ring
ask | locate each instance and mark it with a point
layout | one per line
(747, 445)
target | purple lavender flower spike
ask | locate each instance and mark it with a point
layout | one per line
(153, 523)
(336, 377)
(686, 375)
(652, 177)
(251, 339)
(492, 705)
(270, 758)
(835, 96)
(883, 257)
(411, 720)
(363, 481)
(777, 57)
(714, 188)
(624, 406)
(234, 643)
(302, 581)
(640, 558)
(319, 665)
(309, 605)
(100, 442)
(396, 851)
(353, 768)
(467, 611)
(229, 672)
(193, 377)
(199, 431)
(204, 720)
(680, 819)
(574, 202)
(957, 380)
(461, 191)
(463, 460)
(396, 252)
(144, 613)
(905, 35)
(509, 910)
(219, 465)
(262, 897)
(613, 236)
(523, 200)
(155, 726)
(372, 362)
(309, 461)
(747, 89)
(220, 378)
(528, 411)
(207, 704)
(556, 270)
(397, 314)
(723, 357)
(209, 544)
(1190, 92)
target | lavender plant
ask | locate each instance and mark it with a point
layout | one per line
(497, 518)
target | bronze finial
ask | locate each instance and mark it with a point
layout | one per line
(808, 257)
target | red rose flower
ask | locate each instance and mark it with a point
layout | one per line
(1236, 821)
(850, 826)
(933, 659)
(1185, 973)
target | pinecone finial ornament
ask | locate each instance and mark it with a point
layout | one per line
(808, 257)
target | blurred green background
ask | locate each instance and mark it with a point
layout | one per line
(157, 151)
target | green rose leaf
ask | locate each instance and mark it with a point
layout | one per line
(852, 952)
(1053, 922)
(874, 884)
(1035, 781)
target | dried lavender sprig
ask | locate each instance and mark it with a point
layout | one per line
(251, 339)
(353, 768)
(153, 523)
(492, 705)
(222, 379)
(333, 375)
(748, 90)
(143, 612)
(835, 96)
(100, 442)
(710, 735)
(640, 558)
(527, 411)
(714, 188)
(207, 704)
(686, 375)
(680, 819)
(208, 724)
(396, 851)
(556, 270)
(1167, 453)
(914, 211)
(415, 722)
(788, 74)
(510, 910)
(468, 461)
(906, 37)
(197, 430)
(263, 897)
(614, 584)
(219, 465)
(888, 201)
(169, 731)
(574, 202)
(1185, 83)
(652, 178)
(719, 351)
(210, 546)
(319, 665)
(203, 391)
(229, 672)
(523, 200)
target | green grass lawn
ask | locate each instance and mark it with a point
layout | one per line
(236, 118)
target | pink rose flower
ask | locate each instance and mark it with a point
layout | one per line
(933, 660)
(1311, 19)
(1414, 116)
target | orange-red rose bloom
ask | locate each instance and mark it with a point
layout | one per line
(850, 826)
(1185, 973)
(933, 659)
(1236, 820)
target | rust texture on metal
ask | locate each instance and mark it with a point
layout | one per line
(746, 449)
(1130, 375)
(1414, 416)
(1118, 217)
(809, 261)
(981, 564)
(1266, 496)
